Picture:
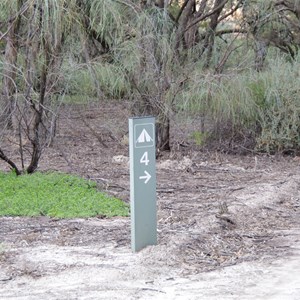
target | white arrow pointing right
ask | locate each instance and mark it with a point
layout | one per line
(146, 177)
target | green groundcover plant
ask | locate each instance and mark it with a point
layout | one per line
(55, 195)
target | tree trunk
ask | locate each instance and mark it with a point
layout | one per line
(210, 38)
(38, 118)
(9, 74)
(163, 134)
(185, 16)
(10, 162)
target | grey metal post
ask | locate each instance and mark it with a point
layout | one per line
(142, 182)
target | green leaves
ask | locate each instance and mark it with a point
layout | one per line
(108, 19)
(55, 195)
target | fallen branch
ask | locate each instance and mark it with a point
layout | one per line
(10, 162)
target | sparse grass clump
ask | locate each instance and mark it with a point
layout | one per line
(55, 195)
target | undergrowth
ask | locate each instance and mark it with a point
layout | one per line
(262, 105)
(55, 195)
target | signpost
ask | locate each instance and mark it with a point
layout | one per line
(142, 182)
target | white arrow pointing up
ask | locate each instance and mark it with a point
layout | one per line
(146, 177)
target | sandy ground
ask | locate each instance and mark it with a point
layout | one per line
(110, 273)
(46, 258)
(228, 227)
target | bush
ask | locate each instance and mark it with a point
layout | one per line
(263, 107)
(279, 109)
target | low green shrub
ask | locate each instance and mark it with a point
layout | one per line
(55, 195)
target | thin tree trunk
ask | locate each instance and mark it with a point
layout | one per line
(163, 134)
(210, 38)
(38, 116)
(9, 73)
(10, 162)
(185, 16)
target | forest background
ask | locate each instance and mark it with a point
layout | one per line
(232, 66)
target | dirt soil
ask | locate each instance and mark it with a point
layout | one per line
(228, 226)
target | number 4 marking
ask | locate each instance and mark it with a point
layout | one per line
(144, 159)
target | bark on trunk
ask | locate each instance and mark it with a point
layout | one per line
(210, 38)
(163, 134)
(9, 74)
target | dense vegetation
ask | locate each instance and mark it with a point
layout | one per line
(234, 63)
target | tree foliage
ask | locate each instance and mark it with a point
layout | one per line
(152, 52)
(35, 33)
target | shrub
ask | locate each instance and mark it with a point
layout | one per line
(55, 195)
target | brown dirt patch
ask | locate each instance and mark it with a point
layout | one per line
(214, 211)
